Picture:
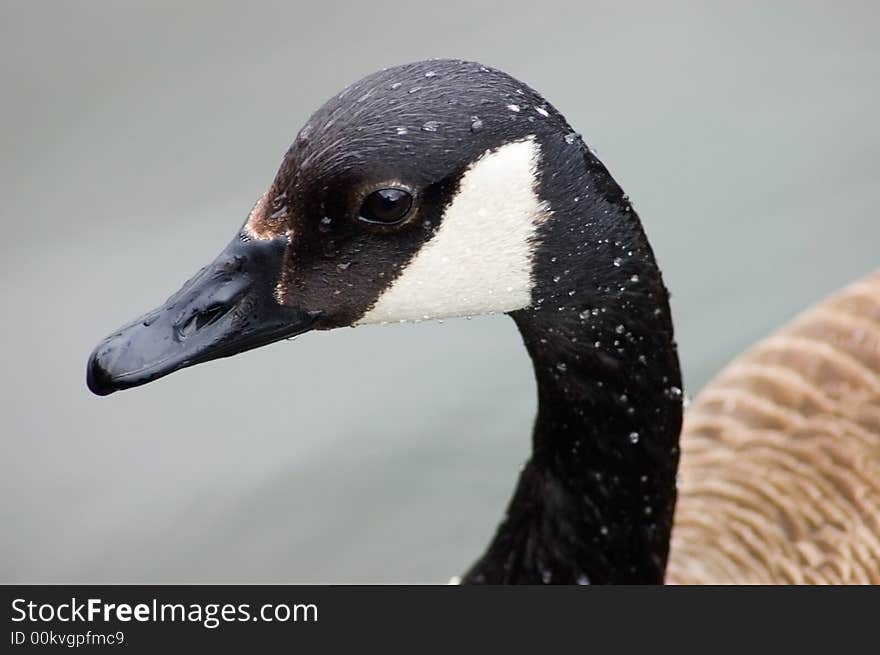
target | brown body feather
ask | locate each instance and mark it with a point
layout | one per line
(780, 470)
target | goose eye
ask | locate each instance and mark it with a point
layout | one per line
(386, 206)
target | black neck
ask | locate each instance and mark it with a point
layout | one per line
(595, 502)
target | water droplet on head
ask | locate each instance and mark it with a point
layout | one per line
(543, 112)
(561, 367)
(396, 85)
(324, 225)
(617, 261)
(342, 266)
(571, 137)
(401, 131)
(430, 74)
(514, 108)
(431, 126)
(634, 437)
(476, 124)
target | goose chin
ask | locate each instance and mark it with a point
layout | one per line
(226, 308)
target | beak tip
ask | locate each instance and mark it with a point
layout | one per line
(98, 379)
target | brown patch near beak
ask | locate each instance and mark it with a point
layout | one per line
(263, 222)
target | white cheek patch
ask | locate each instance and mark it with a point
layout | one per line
(481, 258)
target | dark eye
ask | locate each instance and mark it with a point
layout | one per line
(386, 206)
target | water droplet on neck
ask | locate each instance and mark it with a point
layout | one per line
(431, 126)
(561, 367)
(401, 131)
(634, 437)
(617, 261)
(476, 124)
(513, 108)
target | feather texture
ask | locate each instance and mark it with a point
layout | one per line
(780, 470)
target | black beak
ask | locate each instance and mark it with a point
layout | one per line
(226, 308)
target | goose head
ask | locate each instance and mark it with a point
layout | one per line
(441, 189)
(414, 194)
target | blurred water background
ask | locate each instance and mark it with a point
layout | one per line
(135, 137)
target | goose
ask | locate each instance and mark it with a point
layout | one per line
(445, 188)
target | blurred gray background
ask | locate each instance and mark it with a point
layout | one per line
(747, 137)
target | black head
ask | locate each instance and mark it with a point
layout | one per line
(418, 192)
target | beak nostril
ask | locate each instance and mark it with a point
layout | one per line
(211, 314)
(202, 319)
